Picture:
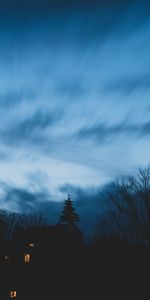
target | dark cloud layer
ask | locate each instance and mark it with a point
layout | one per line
(110, 10)
(12, 98)
(39, 121)
(104, 133)
(22, 200)
(31, 130)
(43, 5)
(128, 85)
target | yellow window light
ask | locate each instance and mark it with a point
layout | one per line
(13, 294)
(27, 258)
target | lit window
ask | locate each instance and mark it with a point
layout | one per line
(31, 245)
(27, 258)
(13, 294)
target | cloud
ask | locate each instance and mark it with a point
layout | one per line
(66, 58)
(73, 88)
(31, 130)
(106, 14)
(145, 129)
(59, 4)
(26, 199)
(39, 121)
(10, 99)
(128, 85)
(104, 133)
(44, 5)
(21, 200)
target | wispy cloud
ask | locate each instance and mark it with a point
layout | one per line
(129, 85)
(10, 99)
(104, 133)
(73, 73)
(31, 130)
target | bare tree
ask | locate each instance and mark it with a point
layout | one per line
(8, 224)
(127, 207)
(140, 183)
(32, 220)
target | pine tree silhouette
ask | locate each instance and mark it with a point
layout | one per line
(67, 221)
(68, 214)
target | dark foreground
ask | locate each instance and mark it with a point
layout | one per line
(63, 269)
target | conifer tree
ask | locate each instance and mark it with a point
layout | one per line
(68, 214)
(67, 221)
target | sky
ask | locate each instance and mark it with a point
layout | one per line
(74, 96)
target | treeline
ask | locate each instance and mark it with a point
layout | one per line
(124, 215)
(127, 209)
(11, 222)
(43, 261)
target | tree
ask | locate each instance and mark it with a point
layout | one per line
(128, 207)
(32, 220)
(68, 214)
(8, 224)
(67, 221)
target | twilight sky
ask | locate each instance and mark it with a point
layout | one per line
(74, 93)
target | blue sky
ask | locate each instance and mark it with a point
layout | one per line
(74, 93)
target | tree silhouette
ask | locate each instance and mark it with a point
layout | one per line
(127, 208)
(8, 223)
(68, 214)
(67, 222)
